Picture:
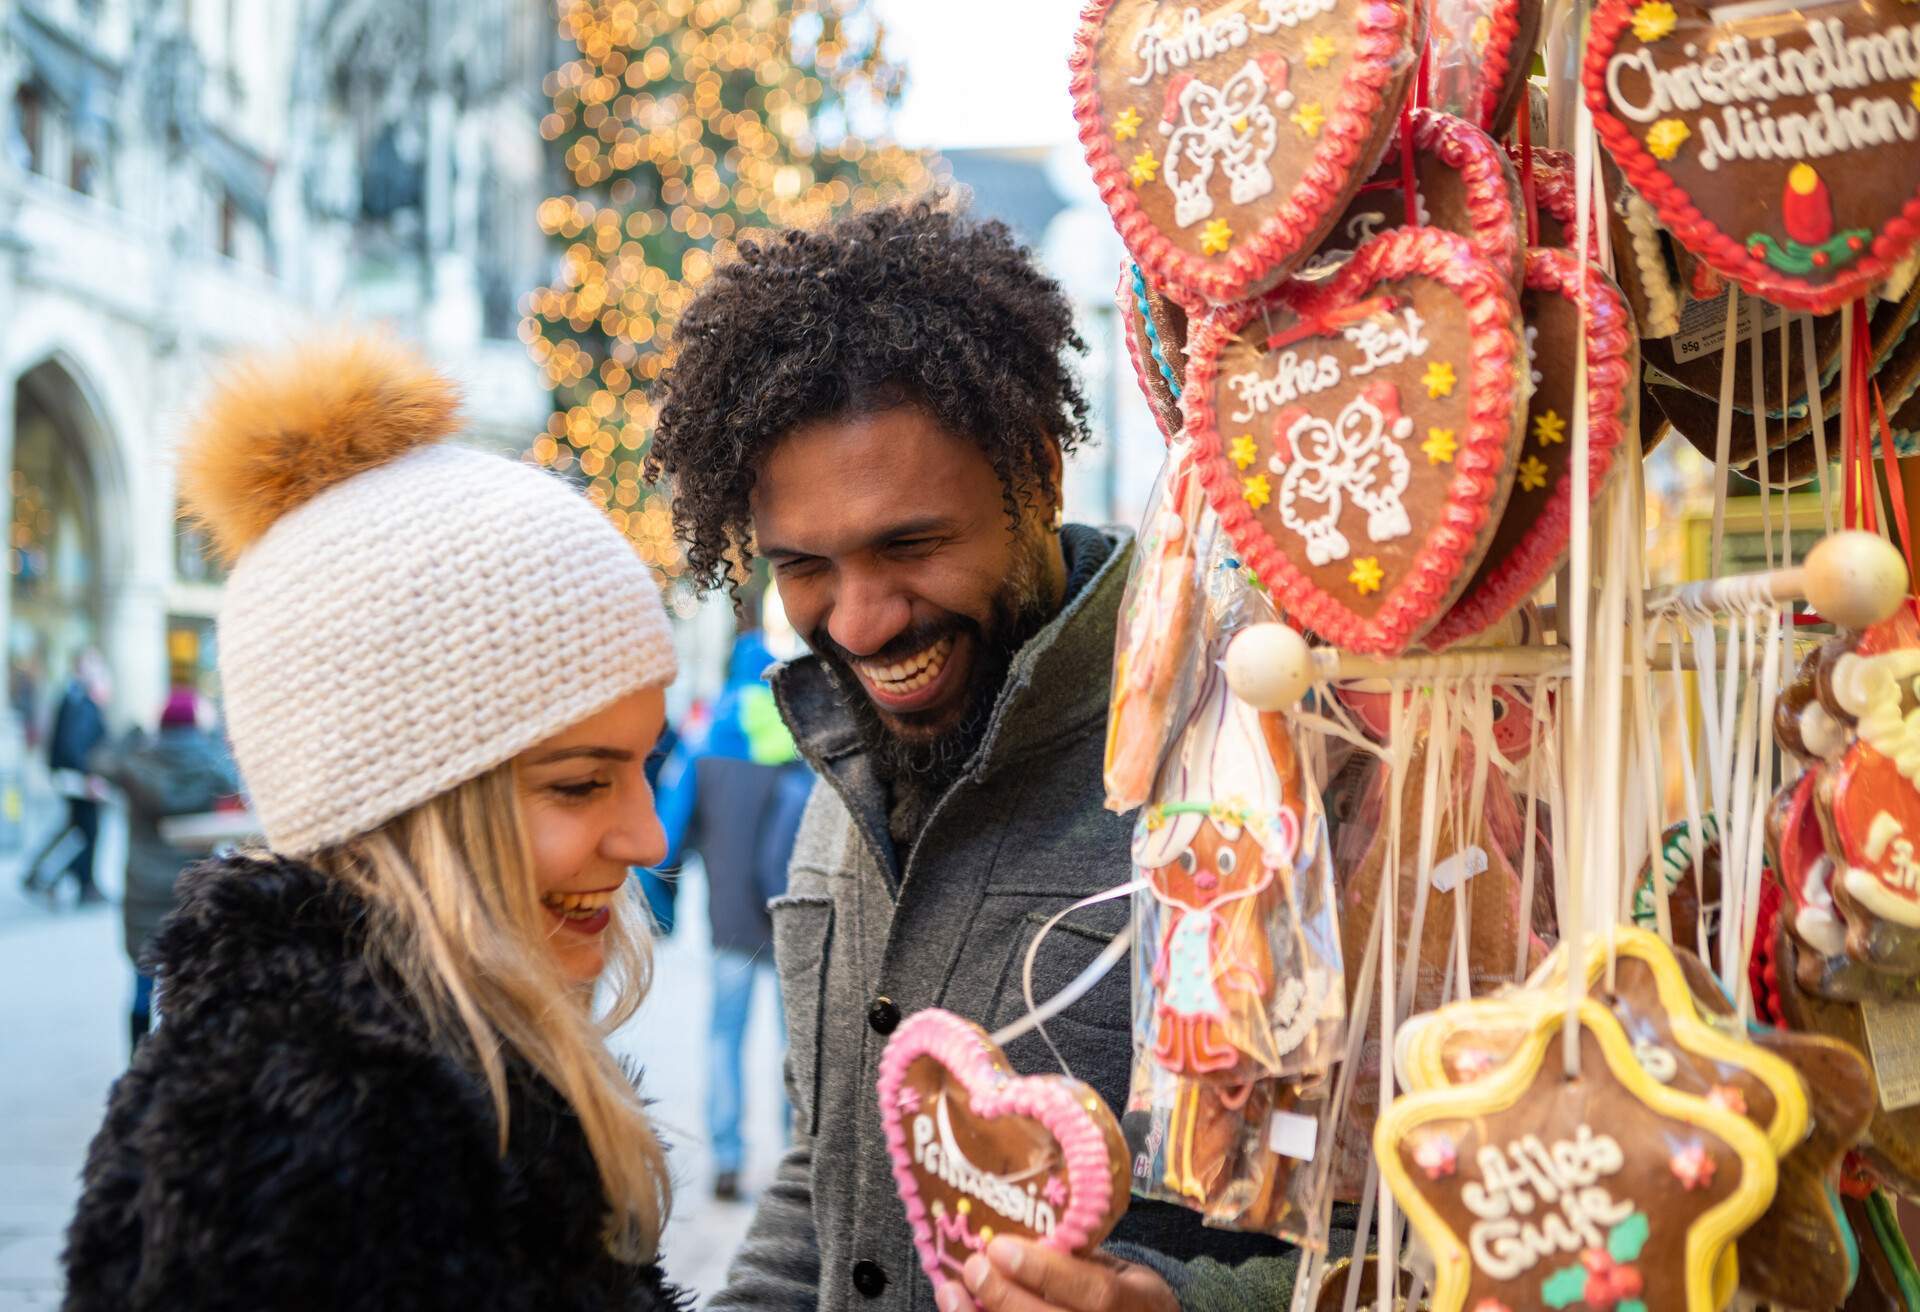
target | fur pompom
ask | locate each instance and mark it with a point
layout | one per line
(279, 430)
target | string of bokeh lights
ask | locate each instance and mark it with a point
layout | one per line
(687, 127)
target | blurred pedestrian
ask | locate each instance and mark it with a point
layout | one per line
(182, 770)
(734, 794)
(79, 727)
(380, 1081)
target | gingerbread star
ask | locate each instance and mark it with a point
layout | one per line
(1573, 1193)
(1796, 1254)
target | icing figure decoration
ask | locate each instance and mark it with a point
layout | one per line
(979, 1152)
(1217, 845)
(1780, 146)
(1226, 137)
(1232, 126)
(1413, 346)
(1239, 994)
(1534, 531)
(1605, 1191)
(1360, 454)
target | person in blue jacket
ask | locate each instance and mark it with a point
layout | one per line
(734, 793)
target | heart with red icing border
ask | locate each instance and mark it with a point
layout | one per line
(1482, 51)
(978, 1151)
(1532, 538)
(1778, 143)
(1226, 138)
(1357, 436)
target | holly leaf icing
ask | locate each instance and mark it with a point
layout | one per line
(1625, 1240)
(1565, 1287)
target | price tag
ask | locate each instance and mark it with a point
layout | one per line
(1893, 1039)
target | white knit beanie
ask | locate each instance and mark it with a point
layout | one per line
(402, 614)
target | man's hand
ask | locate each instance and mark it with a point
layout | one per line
(1016, 1275)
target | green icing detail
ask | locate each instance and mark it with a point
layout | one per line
(1630, 1305)
(1565, 1287)
(1796, 259)
(1886, 1229)
(1676, 854)
(1625, 1240)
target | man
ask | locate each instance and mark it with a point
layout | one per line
(735, 794)
(880, 410)
(79, 727)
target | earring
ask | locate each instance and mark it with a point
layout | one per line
(1059, 517)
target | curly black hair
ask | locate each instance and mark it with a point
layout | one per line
(909, 303)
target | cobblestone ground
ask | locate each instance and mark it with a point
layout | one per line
(64, 985)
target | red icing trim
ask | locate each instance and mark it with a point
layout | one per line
(1053, 1100)
(1613, 360)
(1558, 194)
(1381, 53)
(1725, 253)
(1455, 537)
(1493, 203)
(1503, 31)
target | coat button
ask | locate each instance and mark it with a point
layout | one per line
(869, 1277)
(883, 1016)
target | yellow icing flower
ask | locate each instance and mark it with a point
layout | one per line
(1309, 117)
(1319, 51)
(1533, 473)
(1215, 237)
(1439, 445)
(1244, 450)
(1482, 33)
(1438, 379)
(1257, 490)
(1653, 19)
(1665, 138)
(1913, 91)
(1366, 575)
(1549, 428)
(1144, 169)
(1126, 126)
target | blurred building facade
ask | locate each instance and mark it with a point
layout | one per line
(180, 178)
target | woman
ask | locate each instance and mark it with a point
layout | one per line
(380, 1082)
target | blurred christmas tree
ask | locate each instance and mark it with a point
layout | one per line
(687, 127)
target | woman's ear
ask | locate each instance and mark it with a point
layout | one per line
(1054, 490)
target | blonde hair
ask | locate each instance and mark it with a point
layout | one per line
(458, 915)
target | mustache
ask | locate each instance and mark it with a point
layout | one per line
(915, 638)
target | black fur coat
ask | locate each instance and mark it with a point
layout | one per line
(289, 1138)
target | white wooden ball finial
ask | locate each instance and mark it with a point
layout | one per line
(1269, 666)
(1855, 578)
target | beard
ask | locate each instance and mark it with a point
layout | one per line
(920, 762)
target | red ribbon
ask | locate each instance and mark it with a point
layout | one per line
(1325, 325)
(1524, 121)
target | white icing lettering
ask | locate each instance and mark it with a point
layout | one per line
(936, 1152)
(1534, 1200)
(1385, 343)
(1196, 40)
(1292, 377)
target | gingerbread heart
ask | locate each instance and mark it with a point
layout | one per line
(1225, 138)
(1779, 143)
(1684, 867)
(1464, 183)
(1357, 436)
(1535, 528)
(1556, 202)
(1481, 52)
(978, 1151)
(1534, 1190)
(1156, 344)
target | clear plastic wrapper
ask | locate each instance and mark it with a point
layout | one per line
(1239, 998)
(1156, 651)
